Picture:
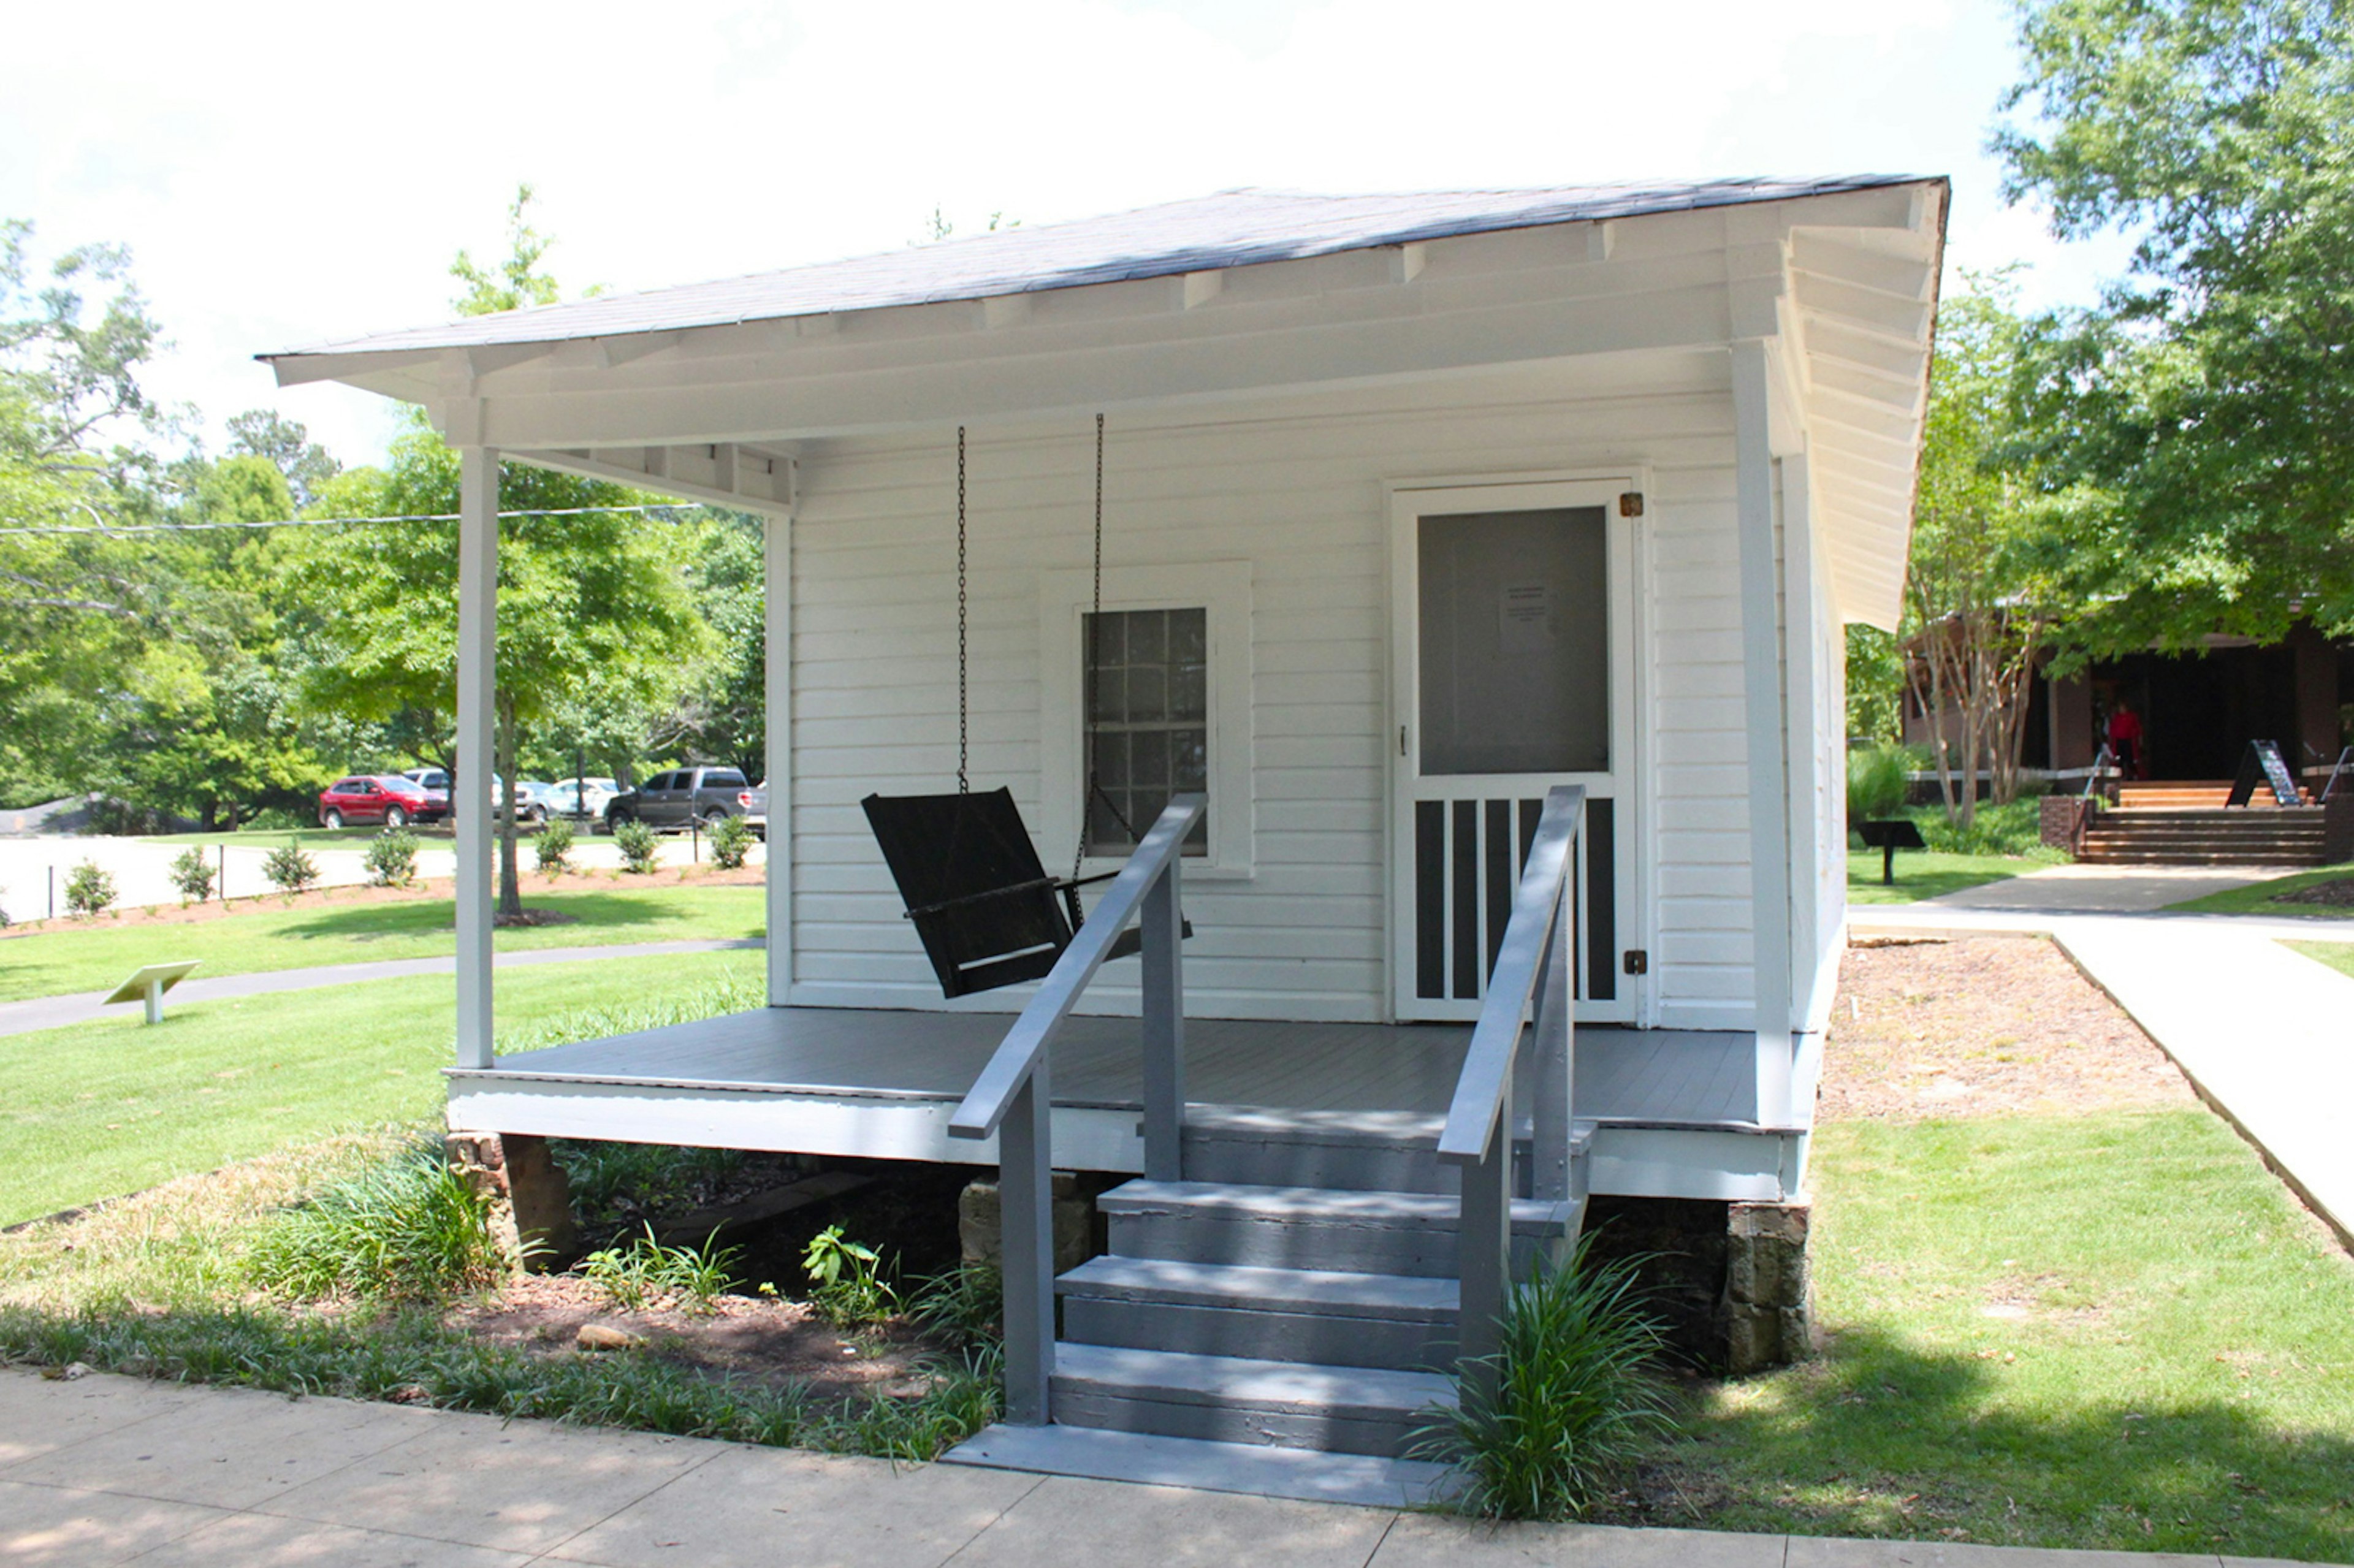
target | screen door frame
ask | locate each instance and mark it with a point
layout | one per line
(1409, 790)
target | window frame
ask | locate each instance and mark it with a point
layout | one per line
(1222, 589)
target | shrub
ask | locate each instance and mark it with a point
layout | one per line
(731, 842)
(637, 1178)
(1876, 782)
(192, 873)
(848, 1287)
(89, 889)
(392, 858)
(553, 846)
(644, 1273)
(1576, 1403)
(408, 1229)
(277, 820)
(636, 843)
(289, 869)
(2015, 827)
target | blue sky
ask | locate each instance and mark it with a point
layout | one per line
(289, 173)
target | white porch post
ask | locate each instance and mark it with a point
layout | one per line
(1804, 652)
(469, 795)
(777, 674)
(1761, 650)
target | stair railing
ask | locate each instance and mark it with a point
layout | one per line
(1535, 963)
(1011, 1095)
(2335, 772)
(2102, 761)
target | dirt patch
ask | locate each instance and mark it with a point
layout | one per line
(1983, 1026)
(775, 1344)
(2337, 893)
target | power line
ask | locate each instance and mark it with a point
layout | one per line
(667, 511)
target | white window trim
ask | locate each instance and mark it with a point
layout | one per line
(1222, 588)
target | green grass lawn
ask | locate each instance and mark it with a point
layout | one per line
(2258, 898)
(61, 962)
(100, 1109)
(1927, 873)
(309, 838)
(2097, 1331)
(2339, 956)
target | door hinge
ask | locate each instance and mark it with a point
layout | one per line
(1638, 962)
(1630, 503)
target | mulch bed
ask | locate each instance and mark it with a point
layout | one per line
(2337, 893)
(1983, 1026)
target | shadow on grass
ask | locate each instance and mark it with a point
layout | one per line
(1913, 884)
(1880, 1438)
(589, 912)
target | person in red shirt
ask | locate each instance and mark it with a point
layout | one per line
(2124, 739)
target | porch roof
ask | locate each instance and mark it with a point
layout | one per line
(1232, 228)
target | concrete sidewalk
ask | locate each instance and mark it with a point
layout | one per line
(110, 1469)
(56, 1011)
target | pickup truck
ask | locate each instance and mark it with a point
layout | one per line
(755, 802)
(680, 799)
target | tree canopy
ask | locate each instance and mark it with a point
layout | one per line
(2189, 430)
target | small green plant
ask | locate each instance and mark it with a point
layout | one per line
(1576, 1399)
(1877, 779)
(89, 890)
(192, 874)
(644, 1273)
(965, 1306)
(636, 843)
(289, 869)
(554, 848)
(392, 858)
(731, 843)
(847, 1287)
(408, 1228)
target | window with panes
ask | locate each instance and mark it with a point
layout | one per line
(1148, 723)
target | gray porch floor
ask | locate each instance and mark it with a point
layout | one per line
(1655, 1077)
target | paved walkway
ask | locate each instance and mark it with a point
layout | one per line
(110, 1469)
(2266, 1034)
(56, 1011)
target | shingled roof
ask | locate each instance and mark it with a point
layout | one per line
(1233, 229)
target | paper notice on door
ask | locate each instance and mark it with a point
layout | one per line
(1524, 618)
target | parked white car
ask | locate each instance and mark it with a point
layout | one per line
(578, 800)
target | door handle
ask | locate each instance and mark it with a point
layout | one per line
(1401, 740)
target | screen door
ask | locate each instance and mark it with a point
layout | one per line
(1513, 676)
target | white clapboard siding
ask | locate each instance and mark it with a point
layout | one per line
(1296, 492)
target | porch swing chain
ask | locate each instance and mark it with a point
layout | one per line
(964, 663)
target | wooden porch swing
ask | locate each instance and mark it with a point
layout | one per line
(982, 902)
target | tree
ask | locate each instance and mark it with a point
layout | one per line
(1980, 603)
(2190, 431)
(285, 445)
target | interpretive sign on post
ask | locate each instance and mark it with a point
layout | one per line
(2265, 765)
(1888, 837)
(150, 984)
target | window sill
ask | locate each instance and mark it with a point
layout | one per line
(1195, 871)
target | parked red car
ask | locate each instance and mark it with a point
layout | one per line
(385, 797)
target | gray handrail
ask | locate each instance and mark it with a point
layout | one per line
(985, 1103)
(1486, 1074)
(2103, 760)
(1535, 962)
(1013, 1097)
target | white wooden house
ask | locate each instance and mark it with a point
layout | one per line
(1428, 504)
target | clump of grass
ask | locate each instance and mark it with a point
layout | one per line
(1877, 781)
(965, 1306)
(410, 1358)
(408, 1228)
(643, 1273)
(1576, 1399)
(628, 1177)
(734, 992)
(846, 1276)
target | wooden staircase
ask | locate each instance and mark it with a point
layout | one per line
(1283, 1320)
(2188, 824)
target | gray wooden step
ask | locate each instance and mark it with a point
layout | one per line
(1402, 1322)
(1394, 1152)
(1317, 1228)
(1252, 1469)
(1234, 1399)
